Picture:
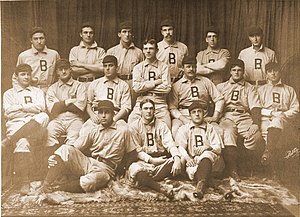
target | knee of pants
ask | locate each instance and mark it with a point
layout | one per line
(42, 118)
(65, 151)
(276, 123)
(22, 146)
(219, 129)
(230, 137)
(133, 169)
(94, 181)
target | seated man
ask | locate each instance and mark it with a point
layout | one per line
(189, 88)
(24, 110)
(157, 152)
(200, 147)
(66, 101)
(90, 165)
(241, 116)
(279, 106)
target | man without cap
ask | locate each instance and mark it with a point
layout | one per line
(128, 55)
(151, 79)
(189, 88)
(111, 88)
(26, 120)
(241, 116)
(90, 165)
(86, 58)
(41, 59)
(171, 51)
(66, 102)
(256, 57)
(212, 61)
(279, 106)
(200, 147)
(157, 153)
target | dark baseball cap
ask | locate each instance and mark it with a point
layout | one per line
(167, 22)
(23, 68)
(272, 65)
(255, 30)
(36, 29)
(110, 59)
(212, 29)
(237, 62)
(62, 64)
(189, 60)
(105, 104)
(125, 25)
(195, 104)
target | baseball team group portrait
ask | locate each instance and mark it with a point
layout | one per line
(125, 108)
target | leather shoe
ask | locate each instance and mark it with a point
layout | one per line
(168, 192)
(200, 189)
(265, 158)
(235, 176)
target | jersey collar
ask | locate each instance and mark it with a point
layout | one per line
(35, 51)
(93, 46)
(210, 50)
(113, 126)
(131, 46)
(260, 49)
(18, 88)
(279, 83)
(69, 82)
(241, 82)
(115, 80)
(154, 63)
(201, 126)
(166, 45)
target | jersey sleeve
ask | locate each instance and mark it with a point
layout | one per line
(253, 98)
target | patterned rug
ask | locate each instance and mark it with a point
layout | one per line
(252, 197)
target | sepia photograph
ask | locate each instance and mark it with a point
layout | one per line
(150, 108)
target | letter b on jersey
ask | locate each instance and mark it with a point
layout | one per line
(235, 95)
(195, 92)
(150, 139)
(43, 65)
(198, 140)
(172, 58)
(110, 93)
(151, 76)
(257, 63)
(276, 97)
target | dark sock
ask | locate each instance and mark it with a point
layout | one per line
(72, 186)
(230, 158)
(164, 172)
(54, 172)
(26, 131)
(204, 170)
(145, 180)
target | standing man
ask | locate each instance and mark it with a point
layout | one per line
(157, 153)
(86, 58)
(41, 59)
(200, 147)
(279, 106)
(128, 55)
(104, 147)
(66, 102)
(189, 88)
(212, 62)
(171, 51)
(241, 116)
(151, 79)
(26, 120)
(256, 57)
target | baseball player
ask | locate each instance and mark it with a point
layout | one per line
(279, 106)
(171, 51)
(86, 58)
(256, 57)
(66, 101)
(157, 153)
(24, 110)
(151, 79)
(91, 164)
(200, 147)
(212, 61)
(41, 59)
(189, 88)
(241, 116)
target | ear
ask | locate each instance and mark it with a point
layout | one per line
(206, 39)
(80, 34)
(161, 32)
(119, 34)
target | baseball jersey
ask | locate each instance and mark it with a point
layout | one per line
(279, 97)
(190, 137)
(255, 62)
(116, 90)
(172, 55)
(211, 56)
(144, 75)
(185, 91)
(154, 138)
(240, 95)
(42, 64)
(127, 57)
(60, 91)
(109, 143)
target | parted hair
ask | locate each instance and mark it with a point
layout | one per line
(144, 101)
(151, 41)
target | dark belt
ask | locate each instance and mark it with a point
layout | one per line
(125, 77)
(152, 94)
(235, 110)
(257, 82)
(107, 162)
(83, 79)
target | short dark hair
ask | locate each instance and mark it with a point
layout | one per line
(86, 24)
(236, 62)
(36, 29)
(145, 100)
(151, 41)
(23, 68)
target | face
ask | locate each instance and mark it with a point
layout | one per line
(24, 79)
(212, 39)
(255, 40)
(273, 75)
(87, 35)
(106, 117)
(110, 70)
(147, 112)
(38, 40)
(189, 71)
(125, 35)
(167, 32)
(149, 51)
(237, 73)
(197, 116)
(64, 73)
